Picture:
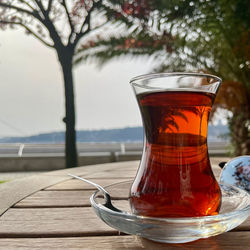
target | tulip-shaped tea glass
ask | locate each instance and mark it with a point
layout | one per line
(175, 178)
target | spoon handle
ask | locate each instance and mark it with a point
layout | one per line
(100, 188)
(107, 197)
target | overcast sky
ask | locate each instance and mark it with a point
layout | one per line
(32, 95)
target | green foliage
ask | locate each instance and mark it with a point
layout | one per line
(200, 35)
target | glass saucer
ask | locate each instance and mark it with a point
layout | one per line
(234, 210)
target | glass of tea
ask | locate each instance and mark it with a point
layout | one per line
(175, 178)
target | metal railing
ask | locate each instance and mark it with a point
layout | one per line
(22, 150)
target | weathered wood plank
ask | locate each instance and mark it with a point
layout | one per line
(22, 188)
(245, 226)
(216, 160)
(36, 214)
(80, 185)
(112, 173)
(14, 191)
(228, 241)
(60, 222)
(217, 172)
(69, 198)
(52, 222)
(57, 199)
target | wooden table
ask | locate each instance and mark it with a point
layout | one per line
(52, 211)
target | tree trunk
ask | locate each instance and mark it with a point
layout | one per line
(70, 135)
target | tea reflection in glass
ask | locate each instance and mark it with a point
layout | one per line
(175, 178)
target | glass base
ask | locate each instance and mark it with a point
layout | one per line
(234, 210)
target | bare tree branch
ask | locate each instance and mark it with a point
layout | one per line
(50, 26)
(9, 6)
(81, 33)
(27, 4)
(84, 33)
(49, 6)
(40, 6)
(87, 19)
(69, 20)
(86, 22)
(29, 30)
(95, 28)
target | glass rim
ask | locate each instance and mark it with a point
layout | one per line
(150, 76)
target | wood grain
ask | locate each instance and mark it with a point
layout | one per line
(52, 222)
(69, 198)
(57, 199)
(113, 173)
(216, 172)
(59, 217)
(245, 226)
(80, 185)
(30, 222)
(14, 191)
(227, 241)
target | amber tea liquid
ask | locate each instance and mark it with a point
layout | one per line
(175, 177)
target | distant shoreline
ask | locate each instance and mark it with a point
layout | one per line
(130, 134)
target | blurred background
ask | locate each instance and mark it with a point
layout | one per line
(92, 49)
